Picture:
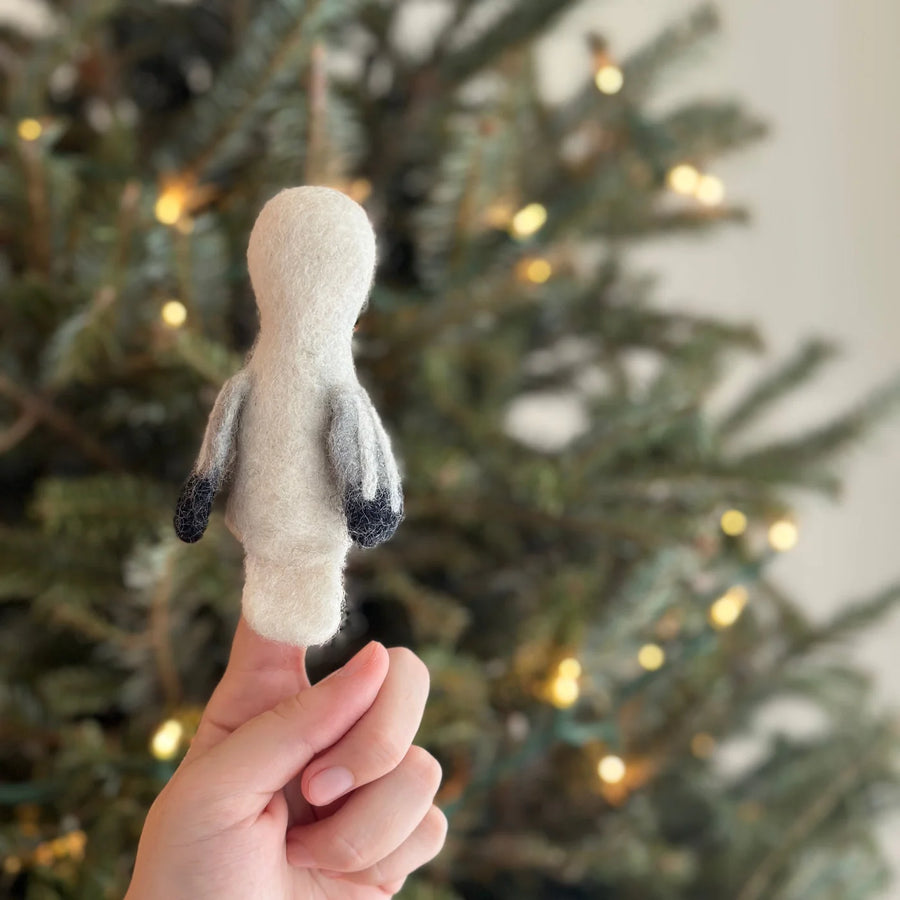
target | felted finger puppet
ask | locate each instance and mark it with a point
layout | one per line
(310, 464)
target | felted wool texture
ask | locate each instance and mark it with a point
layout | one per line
(215, 458)
(365, 468)
(312, 464)
(311, 258)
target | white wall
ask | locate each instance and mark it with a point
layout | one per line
(821, 256)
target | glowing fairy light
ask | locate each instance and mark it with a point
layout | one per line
(733, 522)
(167, 739)
(563, 692)
(536, 270)
(611, 769)
(728, 608)
(30, 129)
(569, 668)
(651, 657)
(783, 535)
(171, 203)
(710, 190)
(528, 220)
(173, 313)
(683, 179)
(609, 79)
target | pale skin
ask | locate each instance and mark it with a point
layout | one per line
(249, 812)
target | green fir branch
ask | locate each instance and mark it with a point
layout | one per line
(796, 371)
(522, 23)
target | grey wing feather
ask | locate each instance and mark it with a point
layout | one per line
(214, 460)
(365, 467)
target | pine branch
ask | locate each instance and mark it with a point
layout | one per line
(18, 431)
(855, 617)
(706, 129)
(660, 57)
(524, 22)
(797, 370)
(277, 42)
(821, 444)
(63, 424)
(642, 69)
(806, 822)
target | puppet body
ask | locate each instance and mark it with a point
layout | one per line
(312, 468)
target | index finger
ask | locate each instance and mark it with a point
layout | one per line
(260, 674)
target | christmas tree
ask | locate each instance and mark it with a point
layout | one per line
(595, 607)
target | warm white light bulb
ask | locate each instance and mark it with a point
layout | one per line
(783, 535)
(30, 129)
(174, 313)
(728, 608)
(611, 769)
(651, 657)
(563, 692)
(528, 220)
(710, 190)
(609, 79)
(683, 179)
(167, 739)
(733, 522)
(569, 668)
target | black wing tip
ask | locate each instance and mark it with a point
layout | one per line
(194, 506)
(371, 522)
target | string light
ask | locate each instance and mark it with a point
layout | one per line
(173, 313)
(172, 202)
(683, 179)
(167, 739)
(783, 535)
(528, 220)
(609, 79)
(703, 745)
(569, 668)
(12, 865)
(728, 608)
(535, 269)
(30, 129)
(733, 522)
(710, 190)
(563, 692)
(651, 657)
(611, 769)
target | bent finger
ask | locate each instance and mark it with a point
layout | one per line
(380, 740)
(419, 848)
(373, 822)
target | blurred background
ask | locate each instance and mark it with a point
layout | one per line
(647, 553)
(817, 259)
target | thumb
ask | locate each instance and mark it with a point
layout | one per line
(264, 754)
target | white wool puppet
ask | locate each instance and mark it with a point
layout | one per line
(310, 463)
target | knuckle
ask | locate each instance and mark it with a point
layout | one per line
(345, 855)
(435, 826)
(425, 767)
(291, 708)
(386, 749)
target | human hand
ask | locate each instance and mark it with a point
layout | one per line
(258, 809)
